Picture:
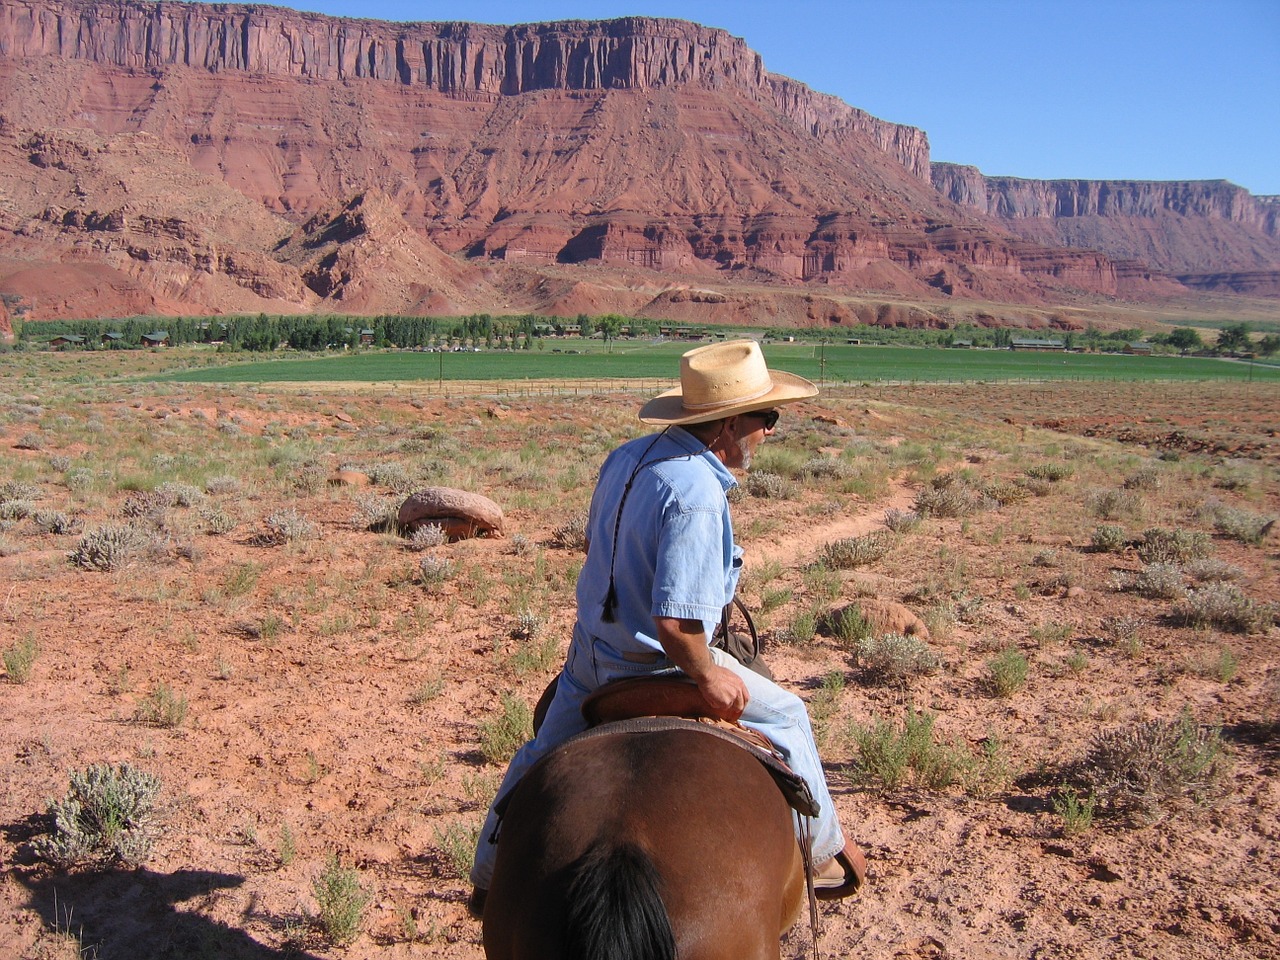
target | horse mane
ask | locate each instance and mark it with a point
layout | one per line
(616, 909)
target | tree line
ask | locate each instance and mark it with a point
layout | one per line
(265, 333)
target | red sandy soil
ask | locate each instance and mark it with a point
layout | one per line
(321, 727)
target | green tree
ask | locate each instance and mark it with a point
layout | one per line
(1184, 339)
(1233, 338)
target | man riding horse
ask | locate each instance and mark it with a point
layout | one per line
(662, 565)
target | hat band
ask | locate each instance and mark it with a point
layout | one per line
(725, 403)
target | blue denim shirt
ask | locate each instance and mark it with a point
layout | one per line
(675, 553)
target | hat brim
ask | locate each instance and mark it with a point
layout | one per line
(668, 408)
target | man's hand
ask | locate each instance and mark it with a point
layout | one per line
(685, 642)
(725, 692)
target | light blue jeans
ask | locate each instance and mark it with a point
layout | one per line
(779, 715)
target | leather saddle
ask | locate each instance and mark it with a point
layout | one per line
(646, 704)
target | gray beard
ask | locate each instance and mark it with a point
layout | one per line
(746, 454)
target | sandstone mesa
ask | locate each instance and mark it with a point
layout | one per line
(196, 158)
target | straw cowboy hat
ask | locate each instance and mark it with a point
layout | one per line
(721, 380)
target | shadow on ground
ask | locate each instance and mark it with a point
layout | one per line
(116, 913)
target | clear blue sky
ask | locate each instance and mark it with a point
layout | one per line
(1092, 89)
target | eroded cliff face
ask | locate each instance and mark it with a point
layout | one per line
(459, 59)
(1182, 227)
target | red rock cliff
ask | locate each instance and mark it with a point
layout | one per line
(460, 59)
(1180, 226)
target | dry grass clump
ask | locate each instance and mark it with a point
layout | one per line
(820, 468)
(901, 521)
(894, 659)
(1050, 472)
(572, 534)
(851, 552)
(20, 658)
(771, 486)
(949, 495)
(1113, 504)
(287, 526)
(1144, 770)
(1005, 492)
(107, 548)
(1223, 606)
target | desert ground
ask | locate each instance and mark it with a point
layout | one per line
(322, 697)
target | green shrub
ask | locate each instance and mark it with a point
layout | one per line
(1075, 810)
(341, 901)
(502, 735)
(1108, 538)
(380, 514)
(1159, 545)
(20, 659)
(1242, 525)
(1159, 581)
(802, 628)
(1212, 570)
(1007, 672)
(457, 845)
(1052, 472)
(427, 536)
(106, 817)
(435, 572)
(847, 624)
(889, 754)
(163, 707)
(53, 521)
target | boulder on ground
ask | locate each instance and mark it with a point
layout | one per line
(888, 616)
(459, 514)
(348, 478)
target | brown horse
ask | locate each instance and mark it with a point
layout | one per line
(652, 845)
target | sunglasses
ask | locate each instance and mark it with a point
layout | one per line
(770, 417)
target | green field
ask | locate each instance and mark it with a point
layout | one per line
(829, 364)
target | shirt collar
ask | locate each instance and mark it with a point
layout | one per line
(691, 444)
